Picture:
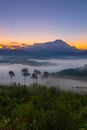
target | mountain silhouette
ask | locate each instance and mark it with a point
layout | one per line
(55, 48)
(48, 49)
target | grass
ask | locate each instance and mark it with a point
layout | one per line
(41, 108)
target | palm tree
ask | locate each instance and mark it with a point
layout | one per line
(37, 72)
(11, 74)
(25, 73)
(34, 76)
(45, 74)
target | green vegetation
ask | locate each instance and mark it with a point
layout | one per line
(41, 108)
(74, 72)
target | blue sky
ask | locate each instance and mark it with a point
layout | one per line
(44, 20)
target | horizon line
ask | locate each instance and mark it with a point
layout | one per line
(11, 44)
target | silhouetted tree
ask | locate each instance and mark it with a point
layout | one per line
(45, 74)
(11, 74)
(34, 77)
(38, 73)
(25, 73)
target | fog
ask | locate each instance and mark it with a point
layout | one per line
(55, 66)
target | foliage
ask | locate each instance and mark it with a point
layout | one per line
(41, 108)
(73, 72)
(37, 72)
(45, 74)
(11, 74)
(25, 73)
(34, 77)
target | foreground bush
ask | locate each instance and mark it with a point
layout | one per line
(41, 108)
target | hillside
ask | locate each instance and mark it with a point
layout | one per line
(77, 72)
(41, 108)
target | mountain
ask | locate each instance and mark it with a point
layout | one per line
(45, 50)
(55, 48)
(58, 45)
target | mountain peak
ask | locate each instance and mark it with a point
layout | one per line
(51, 48)
(59, 41)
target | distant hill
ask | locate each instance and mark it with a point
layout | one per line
(9, 52)
(45, 50)
(77, 72)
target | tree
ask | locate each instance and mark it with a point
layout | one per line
(34, 76)
(25, 73)
(45, 74)
(37, 72)
(11, 74)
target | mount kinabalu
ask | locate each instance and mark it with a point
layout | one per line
(57, 47)
(48, 49)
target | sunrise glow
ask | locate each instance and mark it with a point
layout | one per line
(13, 45)
(26, 22)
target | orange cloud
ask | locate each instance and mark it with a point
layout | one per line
(12, 45)
(1, 46)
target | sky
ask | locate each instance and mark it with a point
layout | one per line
(39, 21)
